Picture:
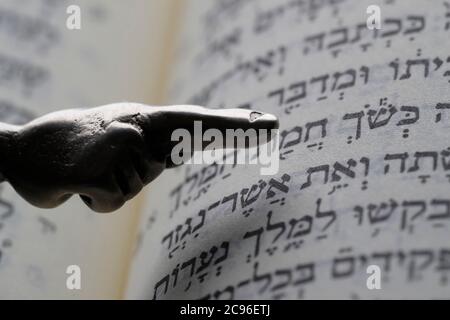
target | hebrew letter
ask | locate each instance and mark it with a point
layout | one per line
(306, 273)
(350, 74)
(414, 28)
(164, 281)
(411, 63)
(249, 200)
(356, 115)
(278, 185)
(312, 170)
(320, 123)
(377, 122)
(409, 120)
(443, 215)
(396, 156)
(265, 277)
(270, 227)
(331, 214)
(397, 27)
(255, 233)
(430, 154)
(338, 167)
(225, 245)
(231, 197)
(285, 273)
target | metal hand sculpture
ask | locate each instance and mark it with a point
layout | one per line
(105, 154)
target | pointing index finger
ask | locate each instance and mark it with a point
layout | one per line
(159, 123)
(184, 116)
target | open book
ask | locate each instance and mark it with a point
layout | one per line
(363, 185)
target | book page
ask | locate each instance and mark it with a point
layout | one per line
(363, 185)
(44, 67)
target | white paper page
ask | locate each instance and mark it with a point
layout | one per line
(363, 177)
(45, 67)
